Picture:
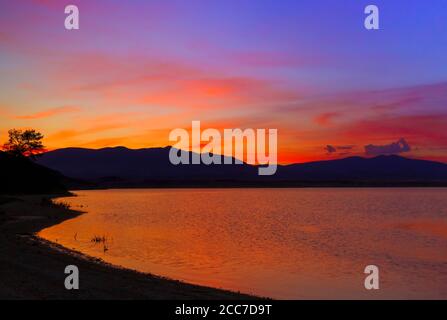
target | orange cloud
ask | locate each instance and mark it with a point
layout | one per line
(49, 113)
(69, 134)
(275, 59)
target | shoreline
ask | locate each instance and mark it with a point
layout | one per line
(33, 268)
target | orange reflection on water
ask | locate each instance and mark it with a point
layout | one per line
(282, 243)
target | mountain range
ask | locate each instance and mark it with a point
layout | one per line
(123, 167)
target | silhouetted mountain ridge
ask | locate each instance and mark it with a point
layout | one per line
(120, 166)
(134, 164)
(380, 168)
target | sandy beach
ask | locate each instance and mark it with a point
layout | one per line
(32, 268)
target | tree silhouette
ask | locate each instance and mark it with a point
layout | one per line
(26, 143)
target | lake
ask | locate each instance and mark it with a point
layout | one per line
(282, 243)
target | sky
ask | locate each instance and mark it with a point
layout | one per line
(135, 70)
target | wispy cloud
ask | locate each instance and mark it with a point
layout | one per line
(338, 150)
(162, 82)
(421, 129)
(326, 118)
(49, 113)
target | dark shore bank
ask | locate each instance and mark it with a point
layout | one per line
(32, 268)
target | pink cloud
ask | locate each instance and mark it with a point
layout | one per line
(162, 82)
(421, 129)
(326, 118)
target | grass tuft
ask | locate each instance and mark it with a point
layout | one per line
(103, 240)
(47, 202)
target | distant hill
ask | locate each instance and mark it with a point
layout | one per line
(390, 168)
(122, 167)
(21, 175)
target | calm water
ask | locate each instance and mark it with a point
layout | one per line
(282, 243)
